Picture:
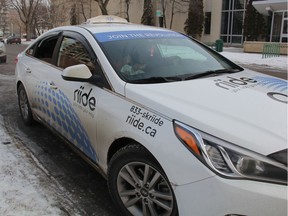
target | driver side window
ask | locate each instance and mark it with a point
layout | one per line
(73, 52)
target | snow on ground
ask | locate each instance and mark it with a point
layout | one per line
(240, 57)
(24, 187)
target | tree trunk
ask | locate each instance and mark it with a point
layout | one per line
(102, 7)
(127, 9)
(172, 14)
(28, 30)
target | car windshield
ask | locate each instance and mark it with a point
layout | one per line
(160, 56)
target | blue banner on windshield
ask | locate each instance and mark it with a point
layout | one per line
(128, 35)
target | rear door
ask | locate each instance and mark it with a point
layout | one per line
(37, 65)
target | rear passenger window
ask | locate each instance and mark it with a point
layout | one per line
(45, 49)
(73, 52)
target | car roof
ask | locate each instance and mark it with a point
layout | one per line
(107, 23)
(110, 27)
(97, 28)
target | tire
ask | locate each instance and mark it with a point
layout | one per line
(24, 106)
(131, 174)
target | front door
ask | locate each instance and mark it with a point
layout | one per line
(76, 102)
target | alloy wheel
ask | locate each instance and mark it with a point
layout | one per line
(144, 190)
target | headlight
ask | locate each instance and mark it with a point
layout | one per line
(229, 160)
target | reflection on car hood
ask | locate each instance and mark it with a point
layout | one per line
(248, 109)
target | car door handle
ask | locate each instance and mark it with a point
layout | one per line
(52, 85)
(28, 70)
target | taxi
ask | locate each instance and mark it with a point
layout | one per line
(176, 128)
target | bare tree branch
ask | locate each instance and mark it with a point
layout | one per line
(103, 6)
(27, 11)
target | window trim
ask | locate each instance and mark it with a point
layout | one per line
(37, 44)
(78, 36)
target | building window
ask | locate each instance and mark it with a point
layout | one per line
(284, 35)
(232, 21)
(207, 26)
(225, 4)
(239, 4)
(276, 31)
(225, 22)
(237, 23)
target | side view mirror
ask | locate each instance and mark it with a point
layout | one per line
(80, 73)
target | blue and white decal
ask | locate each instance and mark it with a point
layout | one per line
(278, 87)
(128, 35)
(272, 83)
(60, 115)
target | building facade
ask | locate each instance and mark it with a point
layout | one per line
(227, 19)
(223, 18)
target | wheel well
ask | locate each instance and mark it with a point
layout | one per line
(116, 145)
(18, 84)
(120, 143)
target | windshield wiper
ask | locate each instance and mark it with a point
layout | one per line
(211, 72)
(156, 80)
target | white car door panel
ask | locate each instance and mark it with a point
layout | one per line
(73, 113)
(36, 85)
(74, 104)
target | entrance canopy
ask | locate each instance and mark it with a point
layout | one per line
(264, 7)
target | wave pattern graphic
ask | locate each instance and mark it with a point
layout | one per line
(59, 113)
(273, 83)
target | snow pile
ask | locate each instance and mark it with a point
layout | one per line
(256, 59)
(24, 188)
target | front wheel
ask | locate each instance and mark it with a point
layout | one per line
(24, 106)
(138, 185)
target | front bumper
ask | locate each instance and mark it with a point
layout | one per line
(218, 196)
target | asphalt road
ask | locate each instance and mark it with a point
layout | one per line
(82, 185)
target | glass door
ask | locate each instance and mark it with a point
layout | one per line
(284, 32)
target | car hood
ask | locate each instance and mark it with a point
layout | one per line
(247, 108)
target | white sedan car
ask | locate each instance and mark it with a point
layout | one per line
(175, 127)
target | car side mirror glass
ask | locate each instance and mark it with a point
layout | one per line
(80, 73)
